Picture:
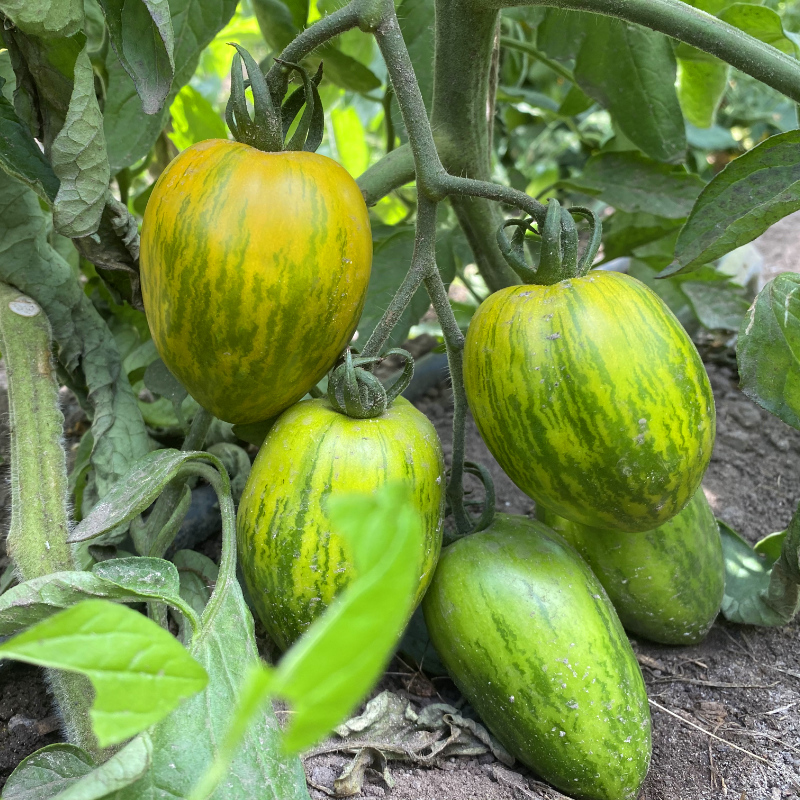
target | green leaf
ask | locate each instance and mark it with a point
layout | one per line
(341, 656)
(719, 305)
(139, 671)
(351, 141)
(64, 772)
(187, 742)
(20, 155)
(79, 159)
(701, 87)
(630, 182)
(561, 33)
(86, 348)
(747, 578)
(45, 17)
(48, 772)
(327, 673)
(135, 491)
(194, 119)
(130, 136)
(624, 232)
(142, 37)
(768, 349)
(345, 71)
(770, 546)
(630, 70)
(127, 580)
(277, 23)
(760, 22)
(741, 202)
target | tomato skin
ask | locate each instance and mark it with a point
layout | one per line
(254, 270)
(292, 562)
(592, 398)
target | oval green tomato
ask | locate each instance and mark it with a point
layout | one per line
(254, 271)
(531, 640)
(293, 564)
(592, 398)
(666, 584)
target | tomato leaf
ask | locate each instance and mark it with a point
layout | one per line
(328, 671)
(130, 580)
(701, 87)
(64, 772)
(630, 70)
(142, 37)
(719, 305)
(21, 156)
(86, 349)
(79, 158)
(194, 119)
(761, 589)
(754, 191)
(768, 349)
(129, 135)
(136, 491)
(631, 182)
(45, 17)
(48, 772)
(139, 671)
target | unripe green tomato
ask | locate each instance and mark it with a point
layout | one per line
(592, 398)
(530, 638)
(292, 561)
(666, 584)
(254, 272)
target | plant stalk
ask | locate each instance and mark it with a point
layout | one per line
(37, 538)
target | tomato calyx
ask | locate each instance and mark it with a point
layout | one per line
(357, 393)
(270, 123)
(559, 257)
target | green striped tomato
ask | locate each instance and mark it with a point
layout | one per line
(293, 563)
(666, 584)
(592, 398)
(254, 270)
(531, 640)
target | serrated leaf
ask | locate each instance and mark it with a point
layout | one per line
(142, 37)
(139, 671)
(768, 349)
(130, 580)
(624, 232)
(631, 182)
(135, 492)
(760, 22)
(754, 191)
(79, 159)
(45, 17)
(630, 70)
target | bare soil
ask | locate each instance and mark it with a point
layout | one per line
(726, 713)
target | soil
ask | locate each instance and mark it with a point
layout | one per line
(742, 684)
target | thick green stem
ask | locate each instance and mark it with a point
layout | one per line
(690, 25)
(461, 115)
(394, 170)
(37, 538)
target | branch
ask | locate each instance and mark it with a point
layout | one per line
(687, 24)
(394, 170)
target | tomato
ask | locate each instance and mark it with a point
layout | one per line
(293, 563)
(254, 270)
(592, 398)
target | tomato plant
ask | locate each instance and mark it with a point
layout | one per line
(449, 121)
